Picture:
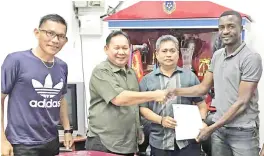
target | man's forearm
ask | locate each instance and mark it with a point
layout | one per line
(150, 115)
(235, 110)
(64, 114)
(3, 136)
(197, 90)
(127, 98)
(203, 109)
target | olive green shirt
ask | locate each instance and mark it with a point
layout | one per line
(117, 126)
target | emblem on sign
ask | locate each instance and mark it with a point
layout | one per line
(169, 6)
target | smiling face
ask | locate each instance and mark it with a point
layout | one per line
(168, 54)
(230, 29)
(118, 50)
(51, 37)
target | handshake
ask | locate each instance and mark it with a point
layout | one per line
(163, 96)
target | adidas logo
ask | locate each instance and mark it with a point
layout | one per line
(46, 90)
(44, 104)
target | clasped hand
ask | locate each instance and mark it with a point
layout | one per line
(163, 96)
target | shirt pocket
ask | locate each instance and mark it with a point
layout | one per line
(152, 86)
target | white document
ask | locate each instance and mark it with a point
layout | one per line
(189, 121)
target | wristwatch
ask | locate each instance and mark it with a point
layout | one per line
(68, 131)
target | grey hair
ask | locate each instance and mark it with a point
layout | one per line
(165, 38)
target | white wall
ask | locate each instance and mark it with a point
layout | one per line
(17, 26)
(20, 22)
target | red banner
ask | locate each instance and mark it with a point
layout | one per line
(137, 64)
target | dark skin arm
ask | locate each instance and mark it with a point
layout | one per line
(245, 93)
(197, 90)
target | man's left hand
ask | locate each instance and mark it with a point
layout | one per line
(68, 141)
(204, 134)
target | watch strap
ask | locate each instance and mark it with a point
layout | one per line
(68, 131)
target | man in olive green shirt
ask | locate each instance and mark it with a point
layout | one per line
(114, 113)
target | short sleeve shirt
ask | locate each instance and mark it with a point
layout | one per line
(228, 71)
(116, 126)
(160, 137)
(34, 96)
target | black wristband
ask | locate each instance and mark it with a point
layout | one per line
(68, 131)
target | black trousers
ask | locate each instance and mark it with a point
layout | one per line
(95, 144)
(51, 148)
(193, 149)
(143, 147)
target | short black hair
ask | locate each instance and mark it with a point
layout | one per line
(232, 12)
(54, 18)
(116, 33)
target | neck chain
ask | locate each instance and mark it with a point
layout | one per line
(53, 62)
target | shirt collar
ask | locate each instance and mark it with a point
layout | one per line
(177, 69)
(116, 69)
(236, 51)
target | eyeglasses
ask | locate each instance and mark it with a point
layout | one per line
(52, 34)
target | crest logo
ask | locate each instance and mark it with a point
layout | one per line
(169, 6)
